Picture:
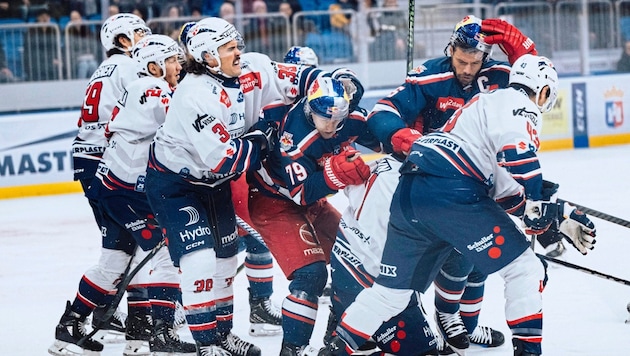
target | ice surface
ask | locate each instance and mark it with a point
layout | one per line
(46, 244)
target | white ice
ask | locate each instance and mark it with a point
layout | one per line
(46, 244)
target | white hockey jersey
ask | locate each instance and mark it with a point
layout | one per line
(364, 221)
(208, 113)
(140, 111)
(104, 89)
(493, 138)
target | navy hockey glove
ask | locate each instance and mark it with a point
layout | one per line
(509, 38)
(539, 215)
(576, 227)
(346, 168)
(264, 136)
(403, 139)
(351, 84)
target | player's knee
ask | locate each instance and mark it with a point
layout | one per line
(253, 246)
(198, 272)
(310, 279)
(110, 267)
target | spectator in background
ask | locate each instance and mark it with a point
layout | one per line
(390, 41)
(141, 11)
(6, 75)
(169, 27)
(227, 11)
(41, 60)
(113, 10)
(266, 33)
(623, 65)
(84, 46)
(17, 9)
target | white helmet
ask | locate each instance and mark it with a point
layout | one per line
(121, 24)
(536, 72)
(155, 48)
(207, 35)
(301, 55)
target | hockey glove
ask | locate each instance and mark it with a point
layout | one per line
(346, 168)
(263, 136)
(351, 84)
(403, 139)
(576, 227)
(509, 38)
(539, 215)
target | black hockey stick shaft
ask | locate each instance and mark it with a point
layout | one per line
(600, 215)
(410, 35)
(584, 269)
(120, 291)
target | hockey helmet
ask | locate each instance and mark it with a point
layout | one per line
(301, 55)
(467, 34)
(155, 48)
(121, 24)
(327, 98)
(207, 35)
(536, 72)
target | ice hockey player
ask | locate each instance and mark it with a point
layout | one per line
(312, 158)
(118, 35)
(477, 157)
(429, 96)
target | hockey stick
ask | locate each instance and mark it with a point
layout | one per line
(584, 269)
(121, 287)
(600, 215)
(250, 230)
(410, 35)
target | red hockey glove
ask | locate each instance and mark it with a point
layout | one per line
(403, 139)
(509, 38)
(346, 168)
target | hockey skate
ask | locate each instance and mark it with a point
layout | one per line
(68, 333)
(519, 348)
(265, 318)
(165, 341)
(180, 316)
(210, 350)
(114, 331)
(442, 347)
(236, 346)
(453, 330)
(555, 250)
(486, 336)
(138, 333)
(294, 350)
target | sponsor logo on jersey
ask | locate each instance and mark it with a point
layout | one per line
(490, 243)
(286, 141)
(193, 215)
(388, 270)
(530, 115)
(202, 121)
(229, 238)
(439, 141)
(199, 232)
(307, 236)
(224, 98)
(346, 255)
(356, 231)
(449, 103)
(250, 81)
(136, 225)
(387, 335)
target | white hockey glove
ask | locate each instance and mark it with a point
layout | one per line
(351, 84)
(576, 227)
(539, 215)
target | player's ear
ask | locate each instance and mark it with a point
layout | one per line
(544, 95)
